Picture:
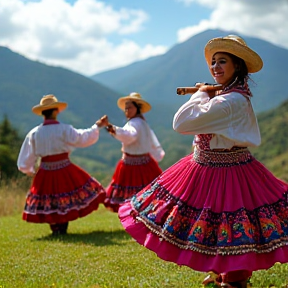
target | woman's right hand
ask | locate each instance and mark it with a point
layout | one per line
(211, 90)
(103, 121)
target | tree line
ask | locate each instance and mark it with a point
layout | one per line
(10, 143)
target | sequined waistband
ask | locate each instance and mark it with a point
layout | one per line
(55, 165)
(222, 158)
(136, 159)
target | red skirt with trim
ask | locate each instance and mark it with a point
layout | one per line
(61, 192)
(132, 174)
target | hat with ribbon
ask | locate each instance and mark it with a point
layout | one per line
(235, 45)
(135, 97)
(48, 102)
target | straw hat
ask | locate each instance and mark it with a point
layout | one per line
(234, 45)
(136, 97)
(49, 102)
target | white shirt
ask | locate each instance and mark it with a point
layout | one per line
(53, 139)
(138, 138)
(230, 117)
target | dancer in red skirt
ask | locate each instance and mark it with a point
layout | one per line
(217, 209)
(141, 153)
(60, 191)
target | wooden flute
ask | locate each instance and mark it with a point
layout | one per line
(190, 90)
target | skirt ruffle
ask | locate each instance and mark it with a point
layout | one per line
(61, 192)
(216, 219)
(132, 174)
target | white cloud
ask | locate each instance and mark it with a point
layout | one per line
(207, 3)
(105, 54)
(74, 36)
(187, 32)
(263, 19)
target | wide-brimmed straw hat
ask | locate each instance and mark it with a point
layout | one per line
(235, 45)
(135, 97)
(49, 102)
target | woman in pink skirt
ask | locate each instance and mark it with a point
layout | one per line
(217, 209)
(141, 153)
(60, 191)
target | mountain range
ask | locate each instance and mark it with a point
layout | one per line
(23, 83)
(157, 78)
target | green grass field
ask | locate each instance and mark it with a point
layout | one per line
(96, 253)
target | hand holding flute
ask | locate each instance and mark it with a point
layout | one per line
(209, 88)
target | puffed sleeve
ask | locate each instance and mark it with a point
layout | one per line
(27, 159)
(81, 137)
(202, 115)
(127, 134)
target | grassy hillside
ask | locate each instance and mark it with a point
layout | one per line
(273, 151)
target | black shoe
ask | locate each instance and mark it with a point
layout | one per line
(59, 228)
(63, 228)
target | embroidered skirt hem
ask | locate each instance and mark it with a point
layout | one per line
(61, 192)
(212, 217)
(132, 174)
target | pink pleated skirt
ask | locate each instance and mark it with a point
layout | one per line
(213, 211)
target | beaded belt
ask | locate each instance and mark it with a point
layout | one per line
(55, 165)
(136, 159)
(223, 158)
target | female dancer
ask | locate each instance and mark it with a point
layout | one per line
(60, 191)
(141, 152)
(218, 209)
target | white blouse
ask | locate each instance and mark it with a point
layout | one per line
(138, 138)
(53, 139)
(230, 117)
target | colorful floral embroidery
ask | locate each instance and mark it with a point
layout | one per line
(63, 202)
(260, 230)
(121, 194)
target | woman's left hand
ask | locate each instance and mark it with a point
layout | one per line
(111, 129)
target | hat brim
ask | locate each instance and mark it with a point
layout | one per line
(39, 108)
(145, 106)
(252, 60)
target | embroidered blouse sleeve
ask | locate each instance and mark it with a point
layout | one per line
(127, 134)
(81, 137)
(200, 115)
(27, 159)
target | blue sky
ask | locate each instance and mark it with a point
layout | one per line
(91, 36)
(165, 18)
